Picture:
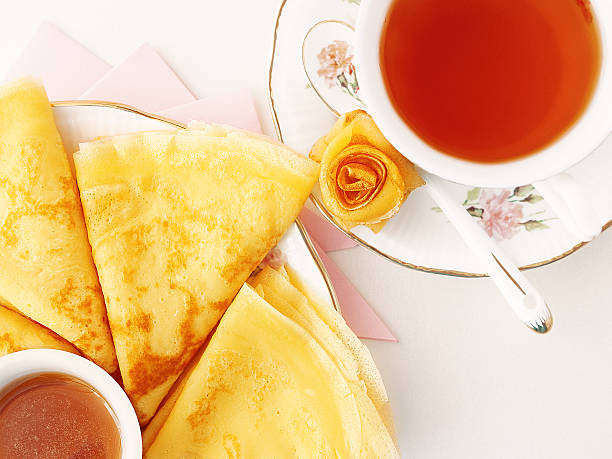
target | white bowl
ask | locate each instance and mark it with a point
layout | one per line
(36, 361)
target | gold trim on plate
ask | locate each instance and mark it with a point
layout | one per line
(129, 108)
(357, 239)
(117, 105)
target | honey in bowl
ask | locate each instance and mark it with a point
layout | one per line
(55, 416)
(490, 80)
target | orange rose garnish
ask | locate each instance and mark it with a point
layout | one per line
(363, 179)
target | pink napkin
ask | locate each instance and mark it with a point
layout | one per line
(358, 314)
(144, 81)
(66, 67)
(235, 108)
(327, 235)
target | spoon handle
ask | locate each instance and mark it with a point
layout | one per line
(524, 299)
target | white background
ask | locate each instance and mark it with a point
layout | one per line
(466, 380)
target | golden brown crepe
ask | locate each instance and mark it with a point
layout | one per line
(366, 368)
(329, 329)
(277, 385)
(364, 180)
(149, 434)
(177, 222)
(46, 269)
(18, 333)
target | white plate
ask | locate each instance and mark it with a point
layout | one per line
(419, 236)
(82, 121)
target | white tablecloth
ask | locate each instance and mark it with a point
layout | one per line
(466, 379)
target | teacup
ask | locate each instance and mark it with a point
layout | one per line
(543, 168)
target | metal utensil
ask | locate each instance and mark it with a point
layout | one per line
(521, 295)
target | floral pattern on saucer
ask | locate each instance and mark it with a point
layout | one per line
(336, 67)
(327, 57)
(503, 213)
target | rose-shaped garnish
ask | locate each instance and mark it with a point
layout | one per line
(359, 174)
(363, 179)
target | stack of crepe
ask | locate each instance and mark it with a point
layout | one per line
(282, 376)
(177, 221)
(46, 269)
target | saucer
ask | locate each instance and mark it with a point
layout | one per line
(312, 71)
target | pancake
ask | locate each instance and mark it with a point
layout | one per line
(256, 371)
(350, 355)
(177, 221)
(262, 389)
(46, 268)
(18, 333)
(149, 434)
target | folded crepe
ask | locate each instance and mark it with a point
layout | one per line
(18, 333)
(281, 377)
(177, 221)
(46, 269)
(364, 180)
(290, 297)
(149, 434)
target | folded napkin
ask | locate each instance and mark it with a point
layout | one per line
(66, 67)
(144, 81)
(358, 314)
(327, 235)
(82, 75)
(235, 108)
